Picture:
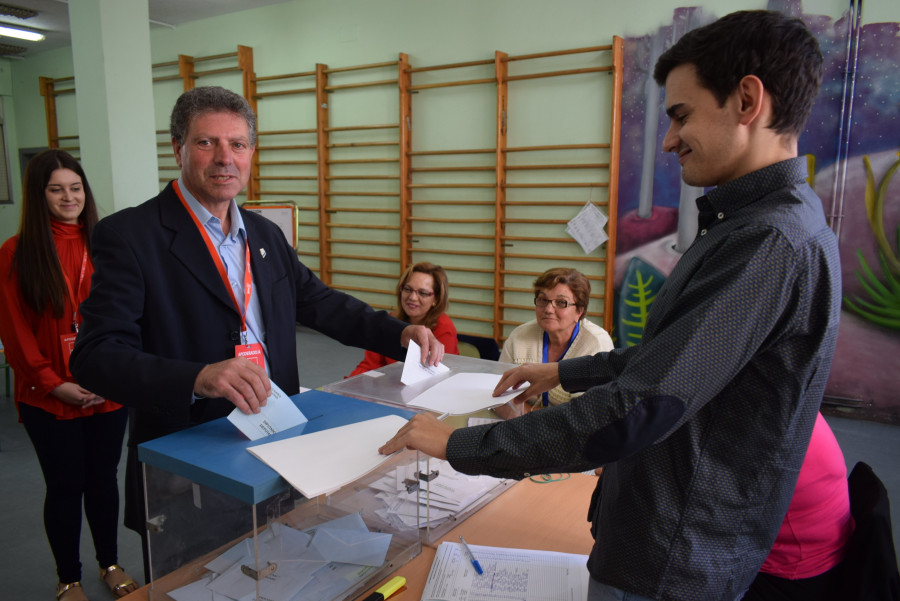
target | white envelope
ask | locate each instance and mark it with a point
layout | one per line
(351, 521)
(280, 413)
(352, 546)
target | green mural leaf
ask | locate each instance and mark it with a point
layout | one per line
(640, 285)
(883, 305)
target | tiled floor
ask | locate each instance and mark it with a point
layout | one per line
(27, 570)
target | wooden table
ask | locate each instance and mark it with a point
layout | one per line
(549, 516)
(546, 517)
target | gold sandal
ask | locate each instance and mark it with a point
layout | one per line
(63, 590)
(122, 588)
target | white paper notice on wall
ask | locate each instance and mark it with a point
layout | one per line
(587, 227)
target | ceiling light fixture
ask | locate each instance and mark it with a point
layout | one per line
(22, 34)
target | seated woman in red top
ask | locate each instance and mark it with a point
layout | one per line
(422, 299)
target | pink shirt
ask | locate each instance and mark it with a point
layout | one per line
(818, 524)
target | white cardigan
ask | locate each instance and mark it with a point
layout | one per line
(525, 342)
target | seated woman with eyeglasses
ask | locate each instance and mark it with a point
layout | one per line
(559, 331)
(422, 299)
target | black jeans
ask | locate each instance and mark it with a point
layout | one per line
(79, 459)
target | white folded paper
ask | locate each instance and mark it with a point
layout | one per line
(413, 369)
(322, 462)
(460, 394)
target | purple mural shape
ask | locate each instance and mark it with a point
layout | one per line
(856, 114)
(864, 372)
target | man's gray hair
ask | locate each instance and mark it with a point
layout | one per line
(209, 99)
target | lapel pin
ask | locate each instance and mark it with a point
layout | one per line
(262, 252)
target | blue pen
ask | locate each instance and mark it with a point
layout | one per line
(471, 557)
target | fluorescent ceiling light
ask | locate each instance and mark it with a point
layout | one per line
(22, 34)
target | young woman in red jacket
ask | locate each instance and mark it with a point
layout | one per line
(45, 273)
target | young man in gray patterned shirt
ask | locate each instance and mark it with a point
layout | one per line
(703, 426)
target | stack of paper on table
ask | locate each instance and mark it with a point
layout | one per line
(318, 563)
(449, 494)
(508, 574)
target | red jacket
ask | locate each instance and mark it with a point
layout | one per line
(31, 341)
(444, 331)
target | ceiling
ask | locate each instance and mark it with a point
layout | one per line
(53, 19)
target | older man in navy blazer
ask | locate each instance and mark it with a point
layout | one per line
(194, 301)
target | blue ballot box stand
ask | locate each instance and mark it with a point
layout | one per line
(205, 494)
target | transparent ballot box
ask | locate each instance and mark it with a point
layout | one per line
(383, 385)
(448, 496)
(222, 522)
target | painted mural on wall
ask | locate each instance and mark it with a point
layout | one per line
(852, 141)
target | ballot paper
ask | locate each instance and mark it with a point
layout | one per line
(407, 499)
(508, 574)
(279, 414)
(316, 563)
(461, 393)
(322, 462)
(414, 370)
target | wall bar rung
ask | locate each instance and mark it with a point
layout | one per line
(561, 185)
(557, 147)
(363, 258)
(559, 73)
(364, 84)
(363, 127)
(449, 84)
(285, 76)
(279, 132)
(361, 67)
(452, 66)
(523, 57)
(283, 93)
(371, 242)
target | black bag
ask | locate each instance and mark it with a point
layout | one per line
(869, 570)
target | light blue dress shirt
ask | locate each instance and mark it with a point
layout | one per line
(232, 250)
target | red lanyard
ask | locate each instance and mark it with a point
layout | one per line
(73, 293)
(248, 277)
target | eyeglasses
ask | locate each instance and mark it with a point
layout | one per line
(421, 293)
(559, 303)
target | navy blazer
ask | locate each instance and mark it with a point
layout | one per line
(158, 312)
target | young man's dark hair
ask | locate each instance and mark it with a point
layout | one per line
(778, 49)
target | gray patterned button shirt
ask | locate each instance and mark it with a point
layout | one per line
(704, 425)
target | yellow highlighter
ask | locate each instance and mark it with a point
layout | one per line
(393, 585)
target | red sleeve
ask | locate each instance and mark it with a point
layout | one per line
(370, 361)
(17, 330)
(445, 332)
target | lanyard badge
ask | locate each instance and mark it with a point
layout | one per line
(252, 352)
